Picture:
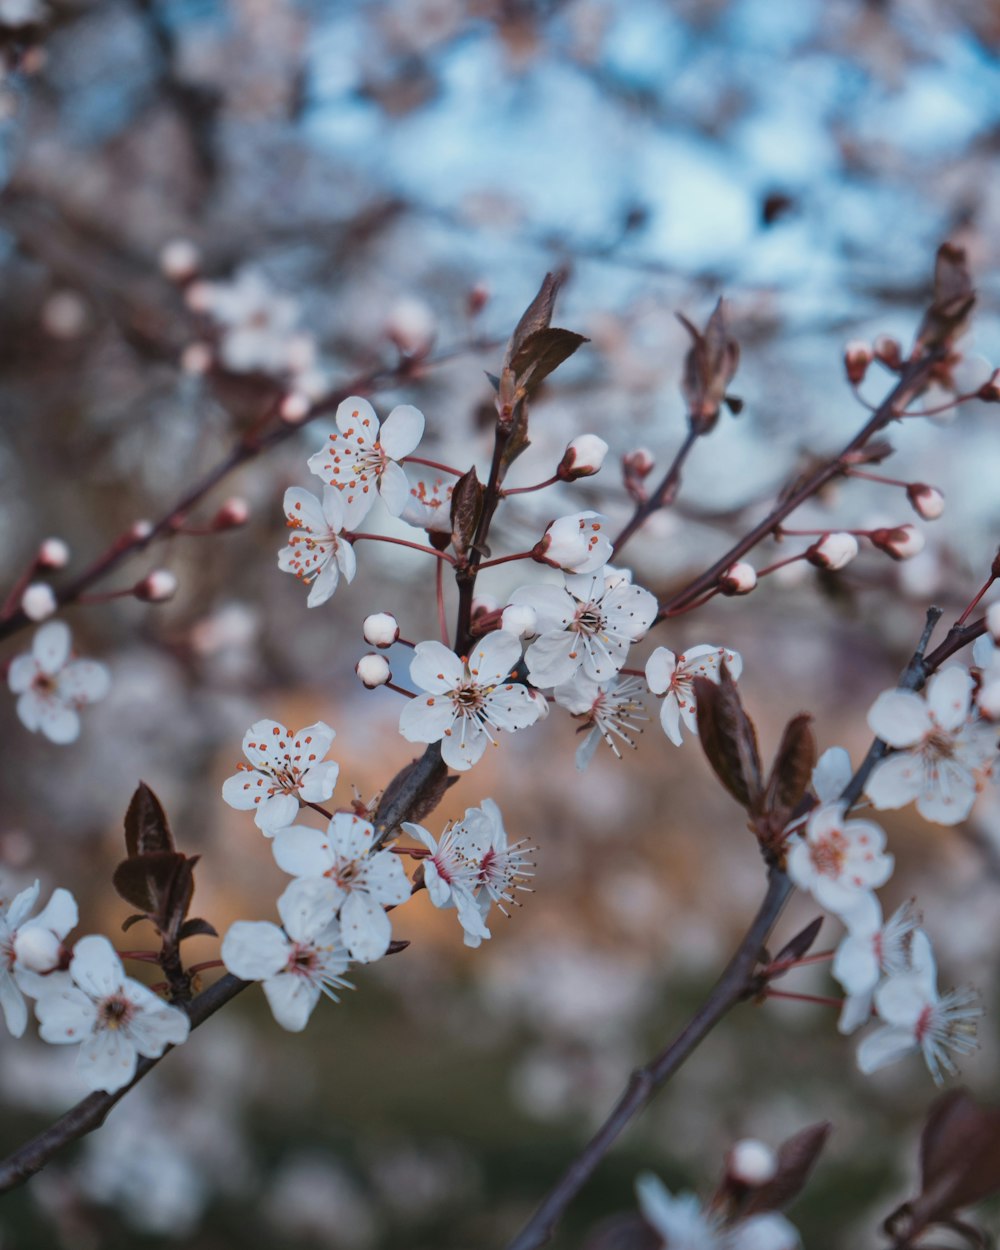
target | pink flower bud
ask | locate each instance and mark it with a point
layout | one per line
(196, 359)
(576, 544)
(139, 531)
(739, 579)
(38, 601)
(583, 457)
(520, 619)
(901, 543)
(638, 463)
(888, 351)
(927, 501)
(751, 1163)
(295, 407)
(179, 260)
(37, 949)
(478, 299)
(381, 629)
(233, 513)
(857, 358)
(156, 587)
(373, 669)
(52, 554)
(833, 551)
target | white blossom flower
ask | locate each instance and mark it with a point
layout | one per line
(683, 1224)
(916, 1018)
(283, 769)
(609, 710)
(360, 460)
(467, 701)
(869, 950)
(503, 868)
(428, 506)
(358, 884)
(52, 687)
(113, 1018)
(297, 964)
(51, 925)
(576, 543)
(451, 873)
(838, 860)
(317, 553)
(672, 677)
(259, 326)
(943, 750)
(588, 623)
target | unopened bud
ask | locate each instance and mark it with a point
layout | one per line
(179, 260)
(888, 352)
(484, 605)
(901, 543)
(52, 554)
(927, 501)
(989, 392)
(381, 629)
(520, 619)
(576, 544)
(478, 299)
(411, 326)
(196, 359)
(988, 700)
(582, 458)
(295, 408)
(739, 579)
(638, 463)
(833, 551)
(156, 587)
(200, 297)
(857, 357)
(139, 531)
(993, 621)
(37, 949)
(65, 315)
(38, 601)
(373, 669)
(233, 513)
(752, 1163)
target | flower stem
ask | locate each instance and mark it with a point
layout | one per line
(399, 542)
(524, 490)
(432, 464)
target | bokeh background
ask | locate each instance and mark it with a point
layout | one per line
(357, 175)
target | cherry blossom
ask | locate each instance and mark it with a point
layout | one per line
(838, 860)
(917, 1018)
(48, 928)
(358, 884)
(870, 950)
(683, 1224)
(296, 963)
(588, 623)
(284, 769)
(468, 700)
(317, 552)
(259, 326)
(428, 506)
(52, 687)
(576, 543)
(609, 710)
(113, 1018)
(451, 873)
(503, 867)
(943, 751)
(672, 677)
(360, 460)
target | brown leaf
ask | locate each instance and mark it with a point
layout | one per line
(728, 739)
(146, 825)
(959, 1156)
(540, 354)
(800, 944)
(537, 316)
(196, 928)
(954, 297)
(792, 769)
(709, 367)
(796, 1159)
(466, 509)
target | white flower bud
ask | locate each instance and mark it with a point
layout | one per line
(233, 513)
(411, 326)
(179, 260)
(373, 669)
(575, 543)
(37, 949)
(739, 579)
(156, 587)
(901, 542)
(927, 501)
(196, 359)
(52, 554)
(993, 621)
(520, 619)
(638, 463)
(988, 700)
(752, 1163)
(857, 358)
(38, 601)
(833, 551)
(139, 531)
(583, 457)
(295, 407)
(381, 629)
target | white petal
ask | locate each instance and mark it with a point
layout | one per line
(302, 852)
(394, 488)
(949, 696)
(350, 836)
(386, 879)
(308, 911)
(553, 658)
(896, 781)
(347, 561)
(435, 669)
(320, 782)
(59, 724)
(670, 719)
(552, 605)
(254, 949)
(900, 1000)
(856, 1011)
(464, 745)
(333, 508)
(152, 1031)
(84, 681)
(832, 773)
(12, 1004)
(660, 668)
(949, 800)
(769, 1231)
(512, 707)
(51, 646)
(60, 913)
(886, 1045)
(492, 658)
(426, 718)
(365, 927)
(899, 717)
(356, 413)
(402, 431)
(292, 998)
(65, 1014)
(277, 812)
(106, 1060)
(244, 790)
(21, 673)
(324, 585)
(95, 967)
(305, 509)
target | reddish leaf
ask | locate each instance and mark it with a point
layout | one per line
(537, 316)
(801, 944)
(954, 298)
(792, 768)
(728, 738)
(146, 826)
(796, 1159)
(540, 354)
(959, 1156)
(709, 367)
(196, 928)
(466, 509)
